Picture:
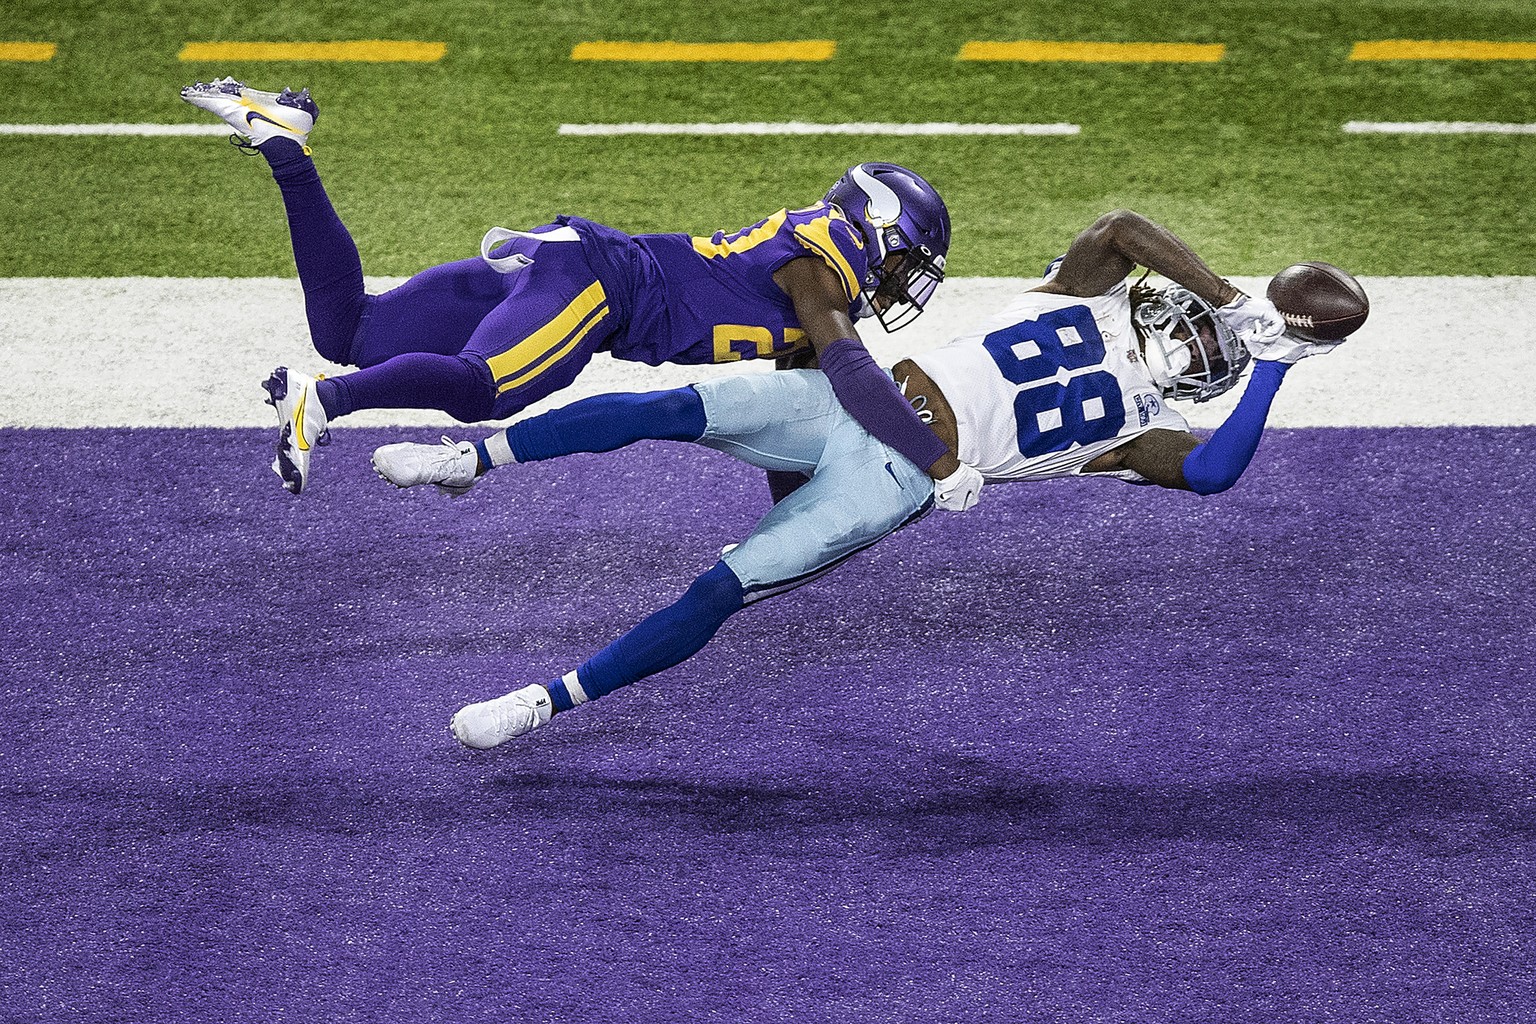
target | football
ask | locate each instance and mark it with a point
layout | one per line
(1319, 301)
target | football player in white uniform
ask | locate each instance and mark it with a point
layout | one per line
(1073, 378)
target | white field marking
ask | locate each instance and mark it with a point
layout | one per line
(807, 128)
(1438, 128)
(114, 129)
(155, 351)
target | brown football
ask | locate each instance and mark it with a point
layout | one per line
(1319, 301)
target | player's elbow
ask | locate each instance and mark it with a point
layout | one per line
(1118, 222)
(1205, 488)
(1205, 475)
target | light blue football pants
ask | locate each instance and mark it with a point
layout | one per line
(859, 491)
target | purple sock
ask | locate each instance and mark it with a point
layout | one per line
(417, 380)
(329, 268)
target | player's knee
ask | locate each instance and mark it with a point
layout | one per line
(477, 399)
(336, 317)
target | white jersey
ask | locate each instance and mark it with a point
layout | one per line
(1048, 385)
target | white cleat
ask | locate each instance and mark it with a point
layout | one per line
(453, 465)
(491, 723)
(301, 424)
(257, 116)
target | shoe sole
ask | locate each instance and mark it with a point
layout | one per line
(383, 476)
(276, 387)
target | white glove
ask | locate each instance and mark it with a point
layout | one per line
(1288, 348)
(1252, 317)
(958, 491)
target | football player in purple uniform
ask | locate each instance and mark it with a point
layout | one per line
(483, 338)
(1071, 379)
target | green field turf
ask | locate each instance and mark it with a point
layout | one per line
(1245, 157)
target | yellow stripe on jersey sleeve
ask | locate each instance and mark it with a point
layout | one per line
(816, 236)
(742, 240)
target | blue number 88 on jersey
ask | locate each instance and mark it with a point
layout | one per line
(1057, 407)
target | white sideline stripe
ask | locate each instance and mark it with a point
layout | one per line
(188, 352)
(1438, 128)
(807, 128)
(743, 128)
(114, 129)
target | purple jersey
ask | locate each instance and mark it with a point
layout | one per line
(713, 300)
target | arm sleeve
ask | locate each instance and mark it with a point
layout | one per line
(872, 398)
(1215, 465)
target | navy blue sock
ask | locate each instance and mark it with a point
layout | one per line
(662, 640)
(606, 422)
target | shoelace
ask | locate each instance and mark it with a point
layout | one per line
(514, 708)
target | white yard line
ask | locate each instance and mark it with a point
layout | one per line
(1438, 128)
(807, 128)
(78, 352)
(114, 129)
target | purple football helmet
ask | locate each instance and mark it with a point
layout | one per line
(897, 212)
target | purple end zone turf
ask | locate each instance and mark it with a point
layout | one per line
(1087, 753)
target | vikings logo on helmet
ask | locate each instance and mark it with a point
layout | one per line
(899, 214)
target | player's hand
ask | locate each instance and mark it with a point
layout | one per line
(958, 491)
(1288, 348)
(1252, 317)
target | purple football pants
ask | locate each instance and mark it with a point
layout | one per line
(459, 337)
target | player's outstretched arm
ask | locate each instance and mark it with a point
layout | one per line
(869, 395)
(1117, 243)
(1179, 460)
(866, 391)
(1121, 240)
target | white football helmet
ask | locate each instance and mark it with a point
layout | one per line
(1190, 350)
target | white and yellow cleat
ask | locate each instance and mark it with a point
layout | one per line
(257, 117)
(491, 723)
(301, 424)
(453, 465)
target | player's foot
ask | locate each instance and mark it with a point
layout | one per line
(491, 723)
(257, 117)
(301, 424)
(451, 465)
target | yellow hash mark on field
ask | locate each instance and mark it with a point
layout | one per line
(372, 51)
(803, 49)
(1442, 49)
(28, 51)
(1095, 53)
